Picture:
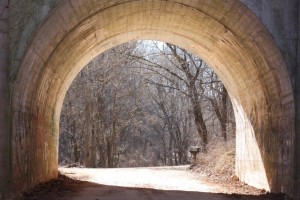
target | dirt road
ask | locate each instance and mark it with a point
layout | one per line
(160, 178)
(142, 183)
(164, 183)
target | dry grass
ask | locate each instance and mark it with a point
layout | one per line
(219, 159)
(218, 167)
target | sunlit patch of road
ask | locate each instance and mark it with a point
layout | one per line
(160, 178)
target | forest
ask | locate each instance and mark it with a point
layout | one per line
(143, 103)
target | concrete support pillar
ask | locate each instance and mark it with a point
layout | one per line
(4, 100)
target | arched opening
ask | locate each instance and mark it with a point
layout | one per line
(145, 104)
(225, 34)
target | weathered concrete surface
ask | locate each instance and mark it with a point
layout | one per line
(48, 50)
(25, 17)
(282, 18)
(4, 99)
(297, 120)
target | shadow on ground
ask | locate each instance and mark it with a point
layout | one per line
(65, 188)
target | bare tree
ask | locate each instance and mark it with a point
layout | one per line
(141, 105)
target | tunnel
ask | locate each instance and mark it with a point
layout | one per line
(226, 34)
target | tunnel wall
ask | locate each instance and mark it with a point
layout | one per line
(297, 97)
(4, 98)
(280, 17)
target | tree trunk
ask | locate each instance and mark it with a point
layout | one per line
(224, 120)
(110, 153)
(199, 121)
(193, 93)
(76, 153)
(93, 150)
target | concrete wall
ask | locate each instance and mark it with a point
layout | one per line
(25, 18)
(280, 17)
(297, 138)
(297, 96)
(4, 98)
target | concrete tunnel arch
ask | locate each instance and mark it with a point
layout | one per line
(226, 34)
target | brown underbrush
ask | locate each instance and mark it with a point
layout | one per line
(219, 159)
